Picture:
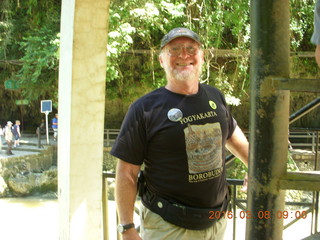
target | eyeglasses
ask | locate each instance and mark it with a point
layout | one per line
(177, 50)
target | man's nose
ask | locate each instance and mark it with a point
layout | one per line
(184, 53)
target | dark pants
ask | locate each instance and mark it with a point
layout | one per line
(9, 143)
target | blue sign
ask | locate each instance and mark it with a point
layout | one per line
(46, 106)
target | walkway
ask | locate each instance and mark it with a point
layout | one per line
(28, 146)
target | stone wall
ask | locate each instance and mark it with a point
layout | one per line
(25, 175)
(304, 159)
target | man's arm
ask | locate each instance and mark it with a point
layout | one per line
(18, 130)
(125, 192)
(317, 55)
(238, 145)
(315, 39)
(54, 122)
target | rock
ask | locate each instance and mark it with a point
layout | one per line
(28, 174)
(49, 180)
(26, 183)
(3, 187)
(21, 185)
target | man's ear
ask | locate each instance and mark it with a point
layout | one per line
(160, 60)
(202, 56)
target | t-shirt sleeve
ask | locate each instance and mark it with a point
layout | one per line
(131, 142)
(232, 123)
(315, 39)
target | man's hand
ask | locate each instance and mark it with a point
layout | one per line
(245, 183)
(131, 234)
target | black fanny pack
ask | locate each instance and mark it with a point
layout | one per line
(181, 215)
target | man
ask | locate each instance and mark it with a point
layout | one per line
(9, 137)
(16, 134)
(55, 127)
(315, 39)
(179, 133)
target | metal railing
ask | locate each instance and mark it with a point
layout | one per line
(304, 110)
(303, 138)
(110, 135)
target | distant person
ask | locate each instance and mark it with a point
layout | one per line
(9, 137)
(315, 39)
(1, 134)
(41, 129)
(55, 127)
(16, 133)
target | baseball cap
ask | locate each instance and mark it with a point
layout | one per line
(179, 32)
(9, 122)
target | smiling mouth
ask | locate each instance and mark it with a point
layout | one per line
(184, 64)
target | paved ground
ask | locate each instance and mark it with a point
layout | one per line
(313, 237)
(29, 144)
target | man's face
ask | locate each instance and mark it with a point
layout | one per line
(182, 59)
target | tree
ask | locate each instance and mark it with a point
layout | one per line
(28, 55)
(29, 45)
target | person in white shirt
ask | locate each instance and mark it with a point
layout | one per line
(9, 137)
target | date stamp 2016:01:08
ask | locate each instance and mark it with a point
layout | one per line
(258, 215)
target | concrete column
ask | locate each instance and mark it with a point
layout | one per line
(82, 76)
(270, 49)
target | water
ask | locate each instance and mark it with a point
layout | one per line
(37, 219)
(28, 219)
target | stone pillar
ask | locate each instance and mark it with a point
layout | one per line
(269, 117)
(82, 77)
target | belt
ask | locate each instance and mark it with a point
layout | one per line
(184, 216)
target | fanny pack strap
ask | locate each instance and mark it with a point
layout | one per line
(180, 215)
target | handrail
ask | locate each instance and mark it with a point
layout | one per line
(110, 132)
(304, 110)
(311, 138)
(293, 117)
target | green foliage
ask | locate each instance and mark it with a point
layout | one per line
(222, 25)
(5, 25)
(237, 170)
(109, 161)
(28, 49)
(139, 24)
(301, 24)
(29, 37)
(38, 75)
(291, 165)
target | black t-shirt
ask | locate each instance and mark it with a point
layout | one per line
(181, 140)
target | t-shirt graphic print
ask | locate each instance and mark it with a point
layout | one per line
(204, 150)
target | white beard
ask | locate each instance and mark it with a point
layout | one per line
(185, 75)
